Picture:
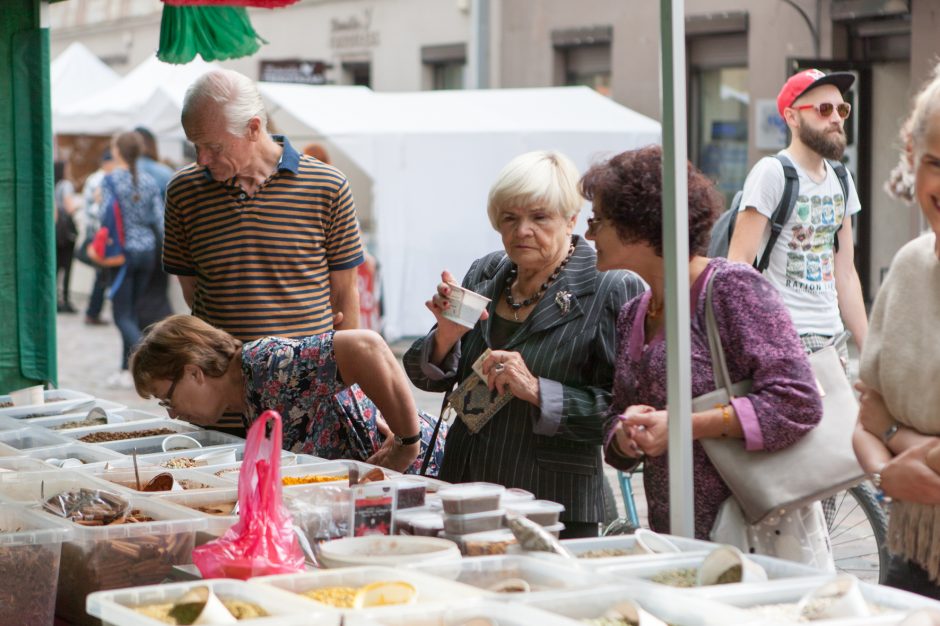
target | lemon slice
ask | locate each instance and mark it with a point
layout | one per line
(385, 594)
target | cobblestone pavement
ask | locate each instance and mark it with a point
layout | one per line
(89, 354)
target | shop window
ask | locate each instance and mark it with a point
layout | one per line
(719, 138)
(357, 74)
(583, 57)
(444, 65)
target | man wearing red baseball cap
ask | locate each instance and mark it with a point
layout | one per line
(807, 196)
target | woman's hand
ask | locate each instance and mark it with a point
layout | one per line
(872, 412)
(506, 371)
(624, 441)
(651, 430)
(906, 477)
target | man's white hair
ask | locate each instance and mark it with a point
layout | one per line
(235, 93)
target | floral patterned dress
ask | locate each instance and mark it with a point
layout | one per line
(322, 416)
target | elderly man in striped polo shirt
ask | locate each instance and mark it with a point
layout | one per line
(264, 240)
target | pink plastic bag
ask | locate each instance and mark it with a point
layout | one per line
(262, 542)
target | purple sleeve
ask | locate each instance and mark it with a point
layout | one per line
(622, 396)
(761, 343)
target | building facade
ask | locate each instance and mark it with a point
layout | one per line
(739, 53)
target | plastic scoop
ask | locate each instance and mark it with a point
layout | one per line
(200, 605)
(179, 442)
(219, 457)
(838, 598)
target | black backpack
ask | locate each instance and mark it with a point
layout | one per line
(724, 225)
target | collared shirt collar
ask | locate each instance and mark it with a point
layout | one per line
(289, 161)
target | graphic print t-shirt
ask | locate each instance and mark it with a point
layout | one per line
(802, 265)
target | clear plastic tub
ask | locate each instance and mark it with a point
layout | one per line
(215, 506)
(159, 459)
(56, 401)
(514, 494)
(542, 512)
(96, 558)
(464, 498)
(419, 522)
(30, 547)
(431, 590)
(484, 544)
(21, 464)
(501, 574)
(473, 522)
(34, 487)
(886, 603)
(485, 612)
(599, 552)
(61, 423)
(116, 608)
(670, 563)
(8, 423)
(185, 480)
(88, 454)
(669, 605)
(17, 442)
(412, 490)
(154, 445)
(95, 434)
(432, 485)
(231, 471)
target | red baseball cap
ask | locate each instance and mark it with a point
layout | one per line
(798, 84)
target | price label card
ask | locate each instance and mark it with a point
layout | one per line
(373, 509)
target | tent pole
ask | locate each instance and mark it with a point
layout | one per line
(676, 256)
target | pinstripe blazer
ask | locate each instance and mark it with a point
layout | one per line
(560, 462)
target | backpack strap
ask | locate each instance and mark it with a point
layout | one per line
(782, 213)
(843, 175)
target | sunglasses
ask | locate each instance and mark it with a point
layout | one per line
(594, 224)
(825, 109)
(168, 402)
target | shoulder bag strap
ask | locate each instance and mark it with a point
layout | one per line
(782, 213)
(719, 364)
(843, 175)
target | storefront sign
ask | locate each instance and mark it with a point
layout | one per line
(771, 130)
(354, 31)
(294, 71)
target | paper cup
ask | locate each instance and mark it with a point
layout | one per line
(179, 442)
(727, 564)
(648, 542)
(840, 597)
(27, 396)
(466, 307)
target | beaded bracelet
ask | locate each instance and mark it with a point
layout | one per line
(725, 418)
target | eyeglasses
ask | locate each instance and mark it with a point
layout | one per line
(825, 109)
(168, 402)
(594, 224)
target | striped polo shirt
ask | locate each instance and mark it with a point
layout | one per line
(262, 264)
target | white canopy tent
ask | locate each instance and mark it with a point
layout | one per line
(150, 95)
(77, 74)
(432, 157)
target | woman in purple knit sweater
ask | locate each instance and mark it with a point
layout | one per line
(758, 337)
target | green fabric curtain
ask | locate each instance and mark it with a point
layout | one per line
(27, 245)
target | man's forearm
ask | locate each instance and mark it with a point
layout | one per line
(348, 305)
(852, 305)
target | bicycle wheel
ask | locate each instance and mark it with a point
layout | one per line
(858, 530)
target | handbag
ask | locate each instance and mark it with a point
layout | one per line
(820, 464)
(106, 248)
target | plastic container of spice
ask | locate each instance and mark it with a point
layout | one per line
(154, 444)
(231, 471)
(128, 554)
(21, 464)
(215, 506)
(542, 512)
(55, 401)
(30, 547)
(132, 430)
(17, 442)
(183, 480)
(429, 590)
(166, 460)
(119, 607)
(464, 498)
(473, 522)
(33, 487)
(85, 453)
(72, 421)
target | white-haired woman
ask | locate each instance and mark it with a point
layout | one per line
(550, 328)
(897, 439)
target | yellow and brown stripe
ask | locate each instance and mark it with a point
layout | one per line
(262, 263)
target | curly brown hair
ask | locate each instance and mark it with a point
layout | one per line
(627, 189)
(175, 342)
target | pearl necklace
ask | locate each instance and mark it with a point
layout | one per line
(513, 271)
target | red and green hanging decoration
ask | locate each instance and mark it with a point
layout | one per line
(213, 29)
